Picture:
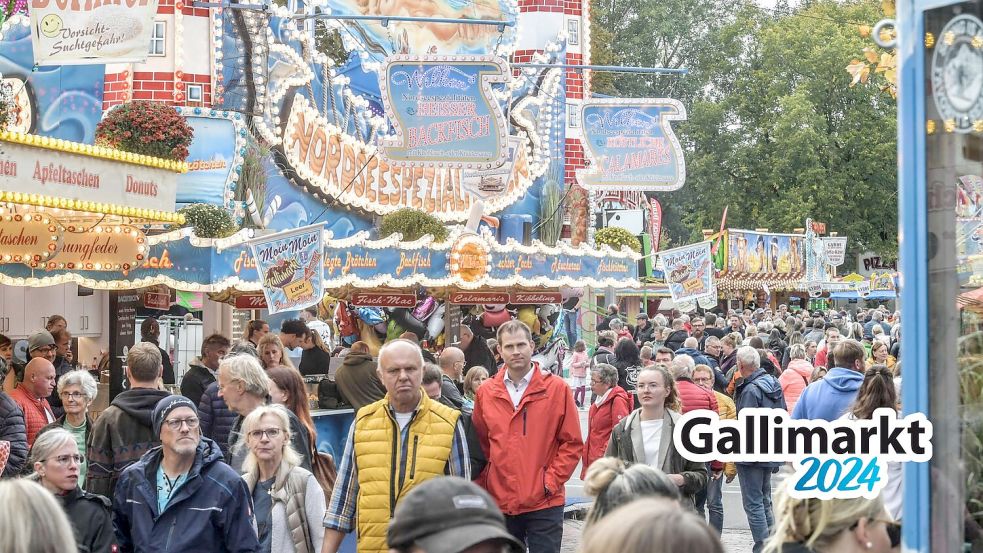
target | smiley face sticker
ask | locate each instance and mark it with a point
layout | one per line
(51, 25)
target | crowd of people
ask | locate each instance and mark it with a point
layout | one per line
(466, 450)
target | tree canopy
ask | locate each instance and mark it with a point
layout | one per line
(774, 129)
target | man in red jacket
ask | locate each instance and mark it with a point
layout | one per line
(32, 396)
(529, 429)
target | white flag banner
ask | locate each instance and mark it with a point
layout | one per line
(835, 247)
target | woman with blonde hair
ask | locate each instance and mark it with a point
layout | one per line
(614, 484)
(651, 525)
(57, 463)
(645, 435)
(272, 353)
(831, 525)
(32, 522)
(288, 501)
(475, 377)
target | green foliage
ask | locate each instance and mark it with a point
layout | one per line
(616, 238)
(148, 128)
(413, 224)
(209, 221)
(774, 129)
(550, 210)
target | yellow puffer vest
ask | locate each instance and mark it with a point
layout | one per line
(377, 456)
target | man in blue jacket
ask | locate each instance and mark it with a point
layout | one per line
(181, 496)
(756, 389)
(829, 398)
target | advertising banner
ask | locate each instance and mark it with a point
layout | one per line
(290, 268)
(336, 166)
(835, 250)
(689, 272)
(86, 32)
(211, 160)
(38, 170)
(632, 144)
(753, 253)
(443, 111)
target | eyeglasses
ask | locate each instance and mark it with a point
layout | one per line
(175, 424)
(65, 460)
(271, 433)
(704, 379)
(45, 349)
(72, 395)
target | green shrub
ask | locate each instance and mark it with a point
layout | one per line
(209, 221)
(413, 224)
(616, 237)
(148, 128)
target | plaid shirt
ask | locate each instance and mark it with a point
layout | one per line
(340, 514)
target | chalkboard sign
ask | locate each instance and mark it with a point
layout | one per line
(122, 335)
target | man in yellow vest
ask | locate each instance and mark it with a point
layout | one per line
(394, 444)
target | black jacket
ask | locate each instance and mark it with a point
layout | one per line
(676, 339)
(54, 400)
(91, 518)
(168, 374)
(195, 381)
(13, 430)
(479, 354)
(644, 334)
(216, 417)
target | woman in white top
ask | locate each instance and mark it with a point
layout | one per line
(288, 502)
(877, 391)
(645, 435)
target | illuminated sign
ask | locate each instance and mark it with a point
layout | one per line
(339, 166)
(632, 145)
(30, 238)
(469, 259)
(100, 248)
(443, 111)
(62, 174)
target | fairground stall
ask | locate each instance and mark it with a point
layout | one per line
(73, 239)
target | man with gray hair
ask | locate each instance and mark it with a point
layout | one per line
(394, 444)
(124, 431)
(756, 389)
(691, 396)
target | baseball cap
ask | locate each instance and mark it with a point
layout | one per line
(642, 316)
(39, 339)
(448, 515)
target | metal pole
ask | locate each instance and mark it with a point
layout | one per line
(612, 68)
(385, 19)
